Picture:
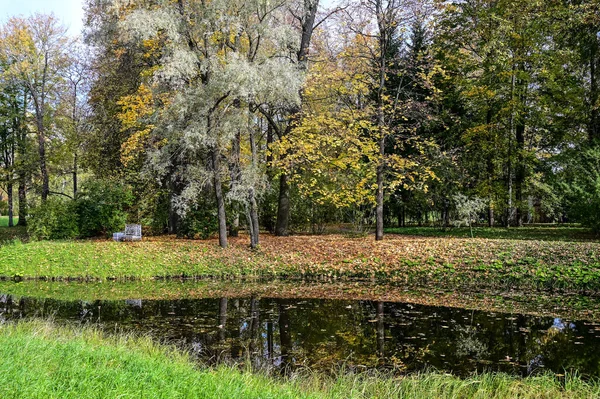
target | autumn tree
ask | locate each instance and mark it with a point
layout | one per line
(225, 60)
(35, 52)
(304, 14)
(328, 155)
(9, 128)
(379, 25)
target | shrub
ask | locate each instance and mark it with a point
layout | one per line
(200, 222)
(54, 219)
(102, 208)
(582, 188)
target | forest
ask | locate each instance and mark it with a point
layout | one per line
(201, 118)
(408, 192)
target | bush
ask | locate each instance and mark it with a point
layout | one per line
(582, 188)
(200, 222)
(102, 208)
(54, 219)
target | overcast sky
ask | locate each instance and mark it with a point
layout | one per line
(70, 12)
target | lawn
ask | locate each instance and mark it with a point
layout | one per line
(4, 221)
(541, 233)
(9, 234)
(437, 261)
(42, 360)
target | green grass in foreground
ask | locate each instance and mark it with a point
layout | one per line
(545, 233)
(4, 221)
(41, 360)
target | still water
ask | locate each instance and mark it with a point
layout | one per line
(323, 334)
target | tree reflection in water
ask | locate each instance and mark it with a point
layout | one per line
(288, 333)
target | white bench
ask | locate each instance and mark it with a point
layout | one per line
(133, 232)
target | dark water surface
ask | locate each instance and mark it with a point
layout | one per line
(326, 333)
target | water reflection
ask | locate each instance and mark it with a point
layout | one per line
(288, 333)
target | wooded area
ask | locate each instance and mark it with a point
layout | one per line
(206, 117)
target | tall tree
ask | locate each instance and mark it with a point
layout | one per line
(226, 60)
(304, 12)
(35, 49)
(379, 25)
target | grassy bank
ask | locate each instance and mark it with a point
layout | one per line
(543, 233)
(441, 261)
(9, 234)
(40, 360)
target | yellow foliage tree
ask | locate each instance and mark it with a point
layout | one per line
(329, 155)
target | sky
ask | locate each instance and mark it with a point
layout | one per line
(70, 12)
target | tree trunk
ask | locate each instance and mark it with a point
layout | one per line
(285, 338)
(42, 153)
(219, 196)
(252, 215)
(222, 318)
(173, 222)
(382, 65)
(594, 122)
(509, 213)
(446, 213)
(235, 175)
(252, 206)
(9, 193)
(75, 176)
(269, 154)
(490, 173)
(520, 172)
(381, 165)
(22, 203)
(308, 22)
(520, 168)
(283, 208)
(379, 209)
(380, 330)
(234, 226)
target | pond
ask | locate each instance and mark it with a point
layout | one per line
(325, 333)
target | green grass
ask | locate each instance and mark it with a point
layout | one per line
(104, 260)
(543, 233)
(42, 360)
(11, 233)
(4, 221)
(450, 263)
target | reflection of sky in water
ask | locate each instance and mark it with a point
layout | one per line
(557, 325)
(561, 326)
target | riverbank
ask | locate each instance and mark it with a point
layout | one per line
(436, 262)
(572, 307)
(42, 360)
